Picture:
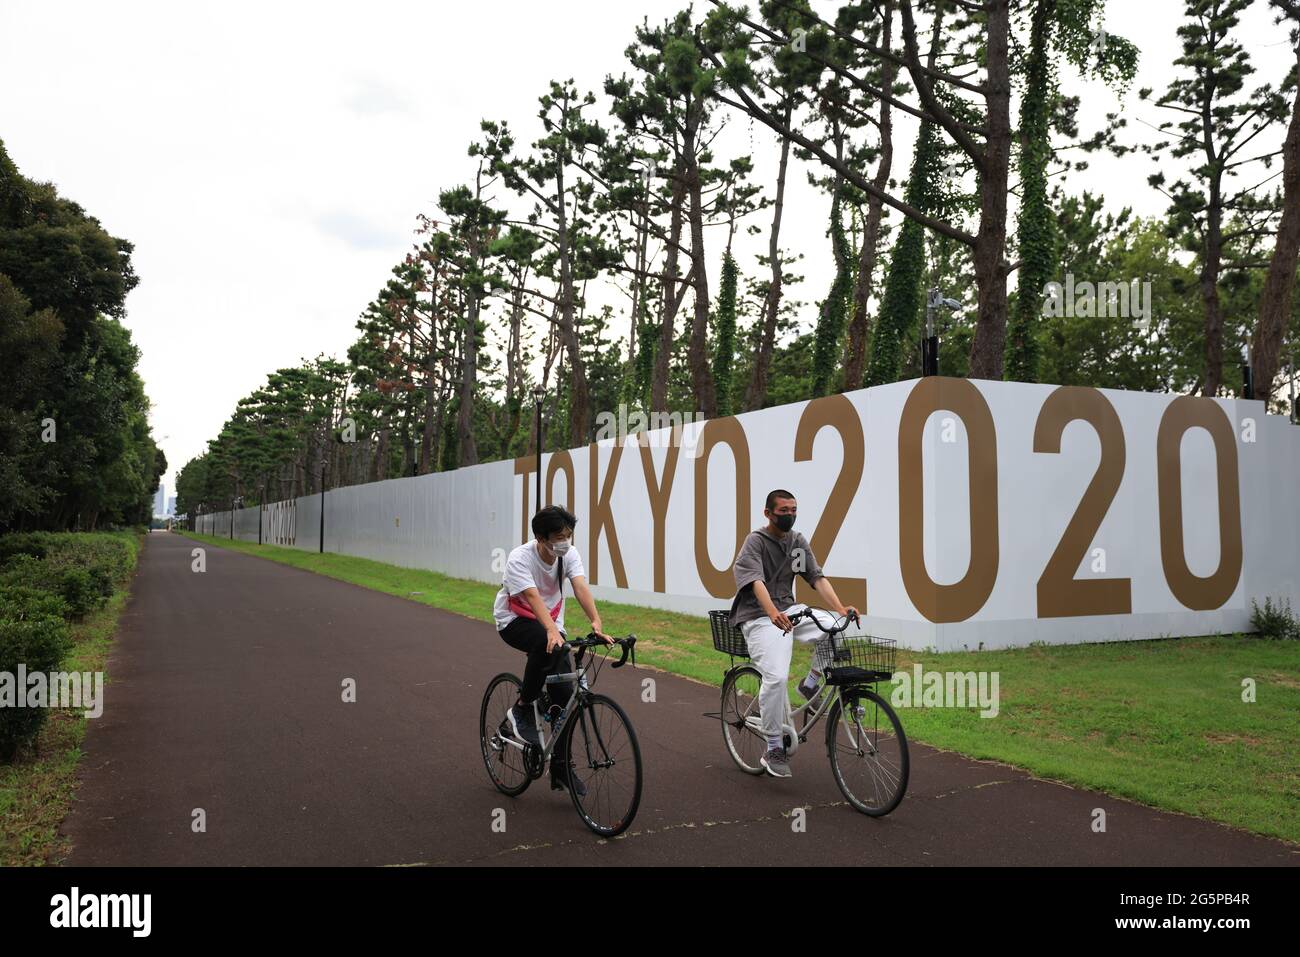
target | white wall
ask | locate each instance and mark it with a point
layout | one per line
(461, 523)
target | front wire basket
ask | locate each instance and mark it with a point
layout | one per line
(858, 659)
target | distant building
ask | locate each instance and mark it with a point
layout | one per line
(171, 506)
(160, 501)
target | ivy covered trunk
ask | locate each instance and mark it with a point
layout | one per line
(856, 359)
(830, 323)
(1036, 228)
(901, 303)
(724, 352)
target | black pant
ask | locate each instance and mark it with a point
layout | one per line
(529, 636)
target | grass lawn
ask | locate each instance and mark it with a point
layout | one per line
(1161, 722)
(36, 792)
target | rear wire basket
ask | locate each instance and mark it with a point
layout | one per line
(726, 637)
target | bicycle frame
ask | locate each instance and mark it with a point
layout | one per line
(828, 696)
(753, 722)
(576, 704)
(576, 701)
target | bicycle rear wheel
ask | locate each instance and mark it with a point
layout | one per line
(740, 715)
(868, 751)
(505, 761)
(605, 757)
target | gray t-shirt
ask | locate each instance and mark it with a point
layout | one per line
(774, 562)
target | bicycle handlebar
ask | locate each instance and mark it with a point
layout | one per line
(594, 641)
(808, 613)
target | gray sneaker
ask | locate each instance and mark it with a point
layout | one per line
(777, 762)
(522, 724)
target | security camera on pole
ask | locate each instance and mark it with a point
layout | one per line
(930, 346)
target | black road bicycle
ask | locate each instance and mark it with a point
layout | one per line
(604, 767)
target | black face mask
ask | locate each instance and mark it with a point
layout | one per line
(783, 522)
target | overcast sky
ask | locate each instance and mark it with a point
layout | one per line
(268, 160)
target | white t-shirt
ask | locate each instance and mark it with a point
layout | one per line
(525, 569)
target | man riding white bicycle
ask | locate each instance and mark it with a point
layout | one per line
(765, 568)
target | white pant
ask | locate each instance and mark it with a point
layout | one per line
(770, 651)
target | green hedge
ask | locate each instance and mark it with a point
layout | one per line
(81, 568)
(19, 602)
(40, 644)
(47, 582)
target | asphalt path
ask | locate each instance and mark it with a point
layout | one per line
(225, 705)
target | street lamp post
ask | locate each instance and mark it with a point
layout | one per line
(539, 394)
(322, 505)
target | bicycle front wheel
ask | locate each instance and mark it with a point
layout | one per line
(605, 762)
(504, 759)
(868, 751)
(740, 718)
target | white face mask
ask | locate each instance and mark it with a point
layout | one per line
(559, 547)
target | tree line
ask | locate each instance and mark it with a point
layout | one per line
(626, 196)
(75, 447)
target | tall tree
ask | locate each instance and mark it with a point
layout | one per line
(1220, 119)
(76, 450)
(1036, 226)
(474, 225)
(666, 103)
(1279, 287)
(563, 218)
(859, 332)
